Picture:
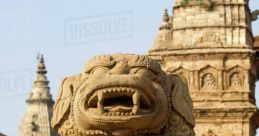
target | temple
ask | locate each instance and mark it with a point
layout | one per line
(210, 43)
(36, 120)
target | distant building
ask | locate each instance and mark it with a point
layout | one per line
(36, 121)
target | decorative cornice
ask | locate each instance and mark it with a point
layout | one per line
(224, 113)
(165, 25)
(200, 51)
(215, 4)
(38, 101)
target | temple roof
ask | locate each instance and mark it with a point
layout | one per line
(40, 90)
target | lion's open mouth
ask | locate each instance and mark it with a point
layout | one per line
(120, 101)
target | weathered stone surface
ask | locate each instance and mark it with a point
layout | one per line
(123, 95)
(210, 43)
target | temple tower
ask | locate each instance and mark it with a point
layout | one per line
(36, 121)
(210, 43)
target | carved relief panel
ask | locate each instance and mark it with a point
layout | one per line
(208, 79)
(209, 39)
(209, 133)
(235, 79)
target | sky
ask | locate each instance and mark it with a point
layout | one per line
(55, 29)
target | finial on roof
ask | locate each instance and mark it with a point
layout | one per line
(166, 16)
(41, 65)
(166, 25)
(40, 57)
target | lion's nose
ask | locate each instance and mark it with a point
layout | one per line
(119, 69)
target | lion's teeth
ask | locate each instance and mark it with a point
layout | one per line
(119, 89)
(109, 90)
(115, 90)
(136, 97)
(132, 90)
(100, 102)
(128, 90)
(118, 114)
(122, 89)
(104, 91)
(135, 109)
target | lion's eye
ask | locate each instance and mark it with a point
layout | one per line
(100, 70)
(143, 72)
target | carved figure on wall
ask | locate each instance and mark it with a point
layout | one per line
(123, 95)
(235, 80)
(209, 133)
(33, 124)
(209, 81)
(209, 39)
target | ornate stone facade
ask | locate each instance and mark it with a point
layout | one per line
(210, 43)
(36, 121)
(123, 95)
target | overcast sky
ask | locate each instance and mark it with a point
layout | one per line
(55, 29)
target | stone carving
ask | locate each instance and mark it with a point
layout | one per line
(208, 81)
(235, 80)
(210, 133)
(33, 125)
(123, 95)
(206, 4)
(209, 38)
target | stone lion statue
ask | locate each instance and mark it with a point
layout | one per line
(123, 95)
